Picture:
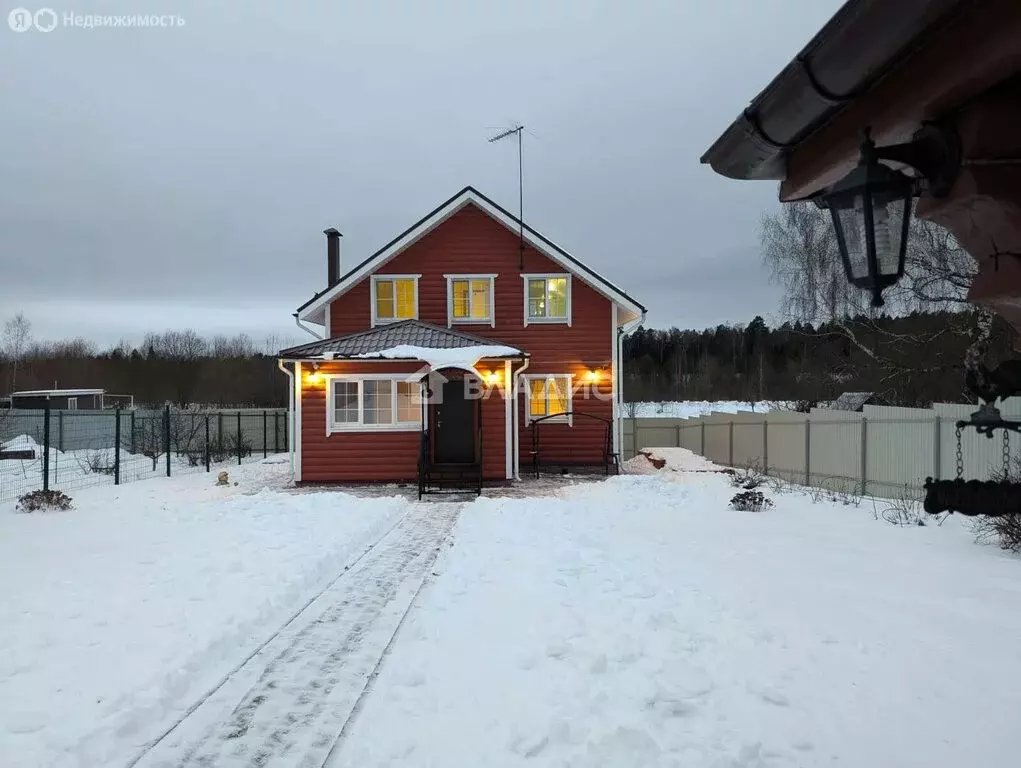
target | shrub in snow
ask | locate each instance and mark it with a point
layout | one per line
(747, 478)
(43, 501)
(1005, 530)
(750, 501)
(904, 510)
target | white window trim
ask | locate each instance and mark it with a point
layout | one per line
(372, 298)
(451, 320)
(567, 418)
(72, 403)
(547, 320)
(333, 427)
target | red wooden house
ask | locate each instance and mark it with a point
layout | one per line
(453, 351)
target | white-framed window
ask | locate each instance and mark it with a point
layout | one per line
(471, 299)
(548, 394)
(370, 402)
(547, 298)
(394, 297)
(72, 403)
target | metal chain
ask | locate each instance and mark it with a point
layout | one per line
(960, 456)
(1006, 454)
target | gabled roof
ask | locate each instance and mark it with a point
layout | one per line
(406, 333)
(312, 310)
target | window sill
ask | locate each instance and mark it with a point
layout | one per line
(334, 429)
(555, 420)
(548, 321)
(486, 321)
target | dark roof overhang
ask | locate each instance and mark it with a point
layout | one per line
(863, 41)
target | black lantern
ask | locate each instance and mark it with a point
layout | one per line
(871, 209)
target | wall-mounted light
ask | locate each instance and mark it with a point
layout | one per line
(871, 206)
(493, 378)
(314, 377)
(592, 376)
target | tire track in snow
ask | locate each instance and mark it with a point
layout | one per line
(289, 702)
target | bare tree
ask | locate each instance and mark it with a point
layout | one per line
(14, 343)
(799, 248)
(175, 345)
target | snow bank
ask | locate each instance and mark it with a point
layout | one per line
(651, 460)
(638, 622)
(21, 443)
(118, 614)
(687, 409)
(463, 358)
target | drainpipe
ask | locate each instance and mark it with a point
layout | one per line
(306, 329)
(622, 331)
(290, 411)
(517, 423)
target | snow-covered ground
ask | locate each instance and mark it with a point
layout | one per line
(630, 622)
(686, 409)
(639, 622)
(116, 615)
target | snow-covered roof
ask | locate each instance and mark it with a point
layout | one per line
(57, 392)
(405, 340)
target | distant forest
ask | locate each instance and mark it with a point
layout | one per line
(911, 360)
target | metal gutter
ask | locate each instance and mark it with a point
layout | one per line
(863, 41)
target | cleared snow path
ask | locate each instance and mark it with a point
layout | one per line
(289, 703)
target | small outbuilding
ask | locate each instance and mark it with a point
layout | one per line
(69, 399)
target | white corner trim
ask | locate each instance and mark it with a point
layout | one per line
(374, 320)
(333, 428)
(296, 422)
(539, 243)
(517, 430)
(615, 340)
(567, 418)
(526, 276)
(509, 425)
(491, 320)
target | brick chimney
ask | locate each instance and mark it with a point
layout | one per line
(332, 256)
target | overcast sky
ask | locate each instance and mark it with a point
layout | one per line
(182, 176)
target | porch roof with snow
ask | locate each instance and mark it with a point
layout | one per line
(404, 340)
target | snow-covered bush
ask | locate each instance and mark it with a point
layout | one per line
(43, 501)
(97, 462)
(904, 510)
(750, 501)
(748, 478)
(1004, 530)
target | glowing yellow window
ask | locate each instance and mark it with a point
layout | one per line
(471, 300)
(395, 299)
(548, 299)
(549, 396)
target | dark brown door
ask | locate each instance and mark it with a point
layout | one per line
(454, 426)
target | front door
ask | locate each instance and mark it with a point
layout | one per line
(454, 426)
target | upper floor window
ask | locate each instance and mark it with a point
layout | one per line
(470, 299)
(394, 297)
(547, 299)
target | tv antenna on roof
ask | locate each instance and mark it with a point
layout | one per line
(516, 130)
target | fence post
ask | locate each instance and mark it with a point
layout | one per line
(808, 451)
(864, 455)
(46, 445)
(765, 446)
(937, 458)
(730, 446)
(207, 442)
(265, 435)
(678, 428)
(276, 432)
(239, 437)
(166, 434)
(701, 424)
(117, 446)
(60, 431)
(133, 451)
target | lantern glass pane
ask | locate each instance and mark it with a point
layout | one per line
(852, 225)
(888, 223)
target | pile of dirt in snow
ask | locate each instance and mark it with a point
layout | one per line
(649, 461)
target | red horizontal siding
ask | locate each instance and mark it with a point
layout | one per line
(379, 455)
(470, 242)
